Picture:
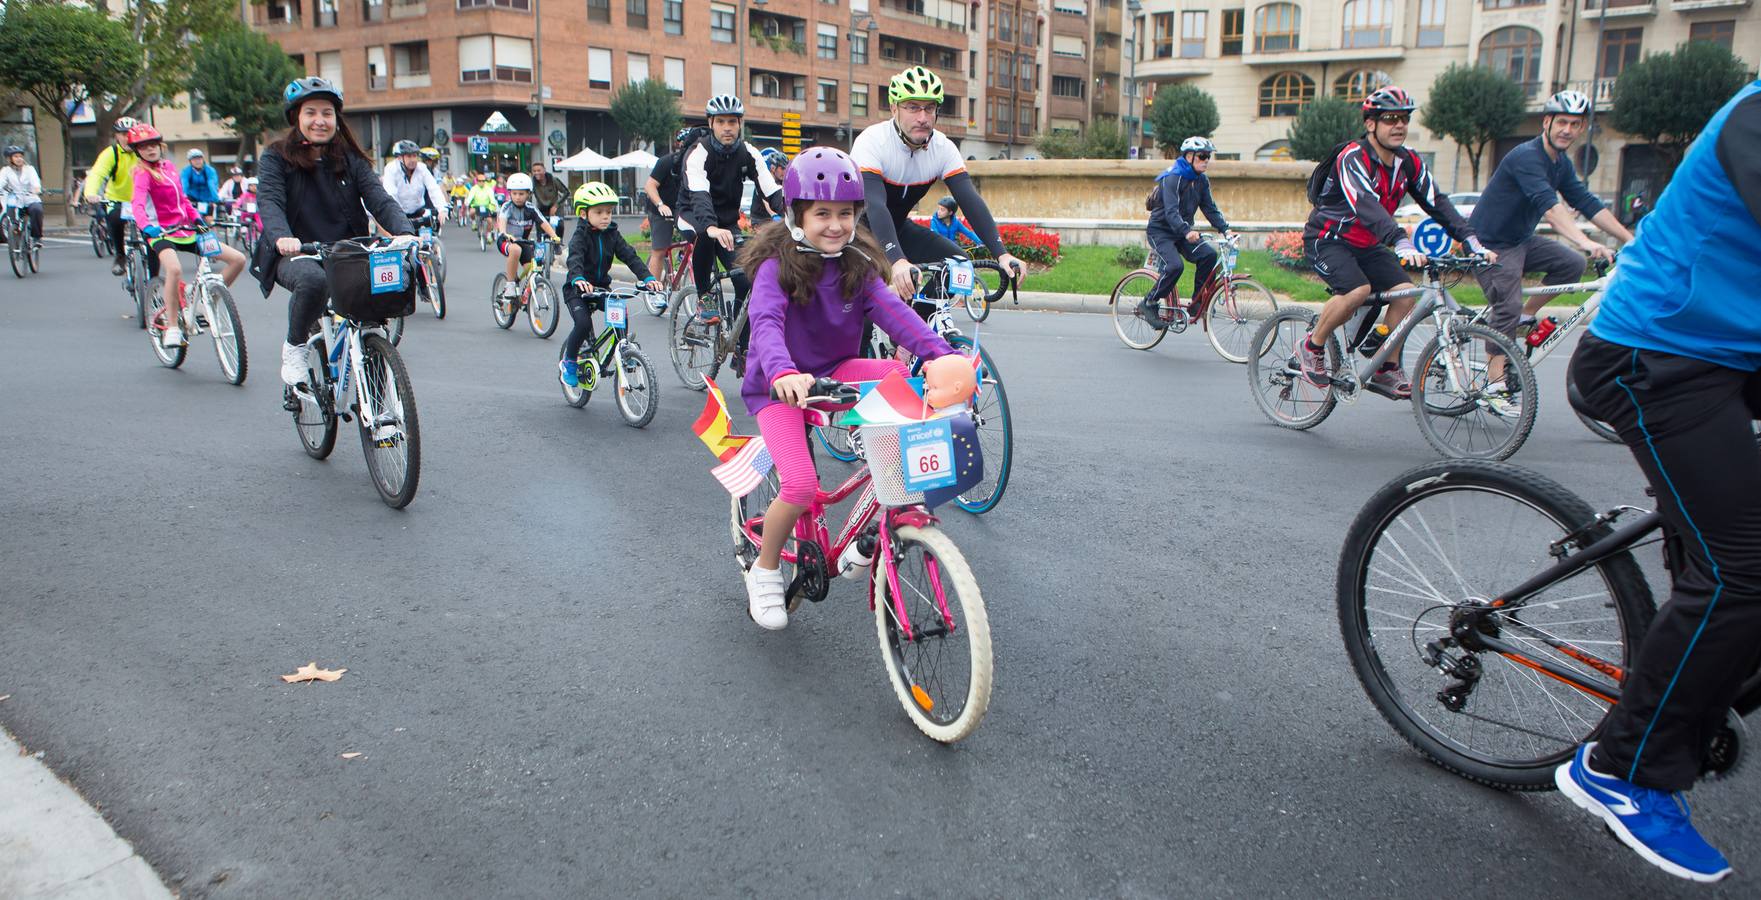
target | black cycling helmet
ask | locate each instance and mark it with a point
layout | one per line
(12, 150)
(122, 125)
(300, 90)
(1388, 99)
(948, 202)
(685, 134)
(402, 147)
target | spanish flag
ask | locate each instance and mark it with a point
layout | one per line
(712, 426)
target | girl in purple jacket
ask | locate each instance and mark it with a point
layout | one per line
(816, 278)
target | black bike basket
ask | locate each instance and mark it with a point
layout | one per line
(349, 270)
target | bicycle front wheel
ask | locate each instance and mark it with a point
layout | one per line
(390, 437)
(638, 396)
(934, 636)
(836, 440)
(394, 330)
(229, 338)
(693, 345)
(433, 291)
(1125, 304)
(1280, 390)
(1455, 412)
(1235, 315)
(541, 310)
(1421, 565)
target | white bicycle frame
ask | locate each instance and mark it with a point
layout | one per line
(344, 374)
(1583, 316)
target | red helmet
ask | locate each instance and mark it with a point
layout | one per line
(142, 133)
(1388, 99)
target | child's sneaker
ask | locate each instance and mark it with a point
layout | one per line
(765, 589)
(1654, 823)
(571, 372)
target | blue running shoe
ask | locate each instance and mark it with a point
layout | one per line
(1654, 823)
(709, 315)
(571, 372)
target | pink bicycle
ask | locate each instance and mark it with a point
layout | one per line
(934, 636)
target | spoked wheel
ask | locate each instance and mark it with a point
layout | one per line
(1421, 566)
(1235, 315)
(100, 239)
(934, 636)
(638, 395)
(482, 240)
(749, 511)
(836, 441)
(433, 291)
(996, 437)
(1127, 300)
(141, 286)
(35, 255)
(437, 251)
(503, 310)
(229, 338)
(692, 345)
(1282, 393)
(541, 310)
(389, 434)
(15, 254)
(1455, 412)
(315, 421)
(587, 373)
(169, 357)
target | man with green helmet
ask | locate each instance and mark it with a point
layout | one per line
(901, 159)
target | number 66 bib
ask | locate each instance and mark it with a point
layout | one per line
(926, 453)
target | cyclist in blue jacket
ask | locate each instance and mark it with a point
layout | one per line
(1182, 190)
(946, 222)
(201, 184)
(1673, 363)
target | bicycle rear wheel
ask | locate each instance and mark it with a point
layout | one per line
(1421, 565)
(935, 638)
(1455, 413)
(1235, 315)
(748, 511)
(541, 310)
(229, 338)
(503, 310)
(586, 369)
(100, 239)
(35, 255)
(1128, 295)
(1283, 394)
(693, 345)
(638, 395)
(15, 249)
(140, 285)
(390, 437)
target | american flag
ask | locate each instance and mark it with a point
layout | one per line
(746, 469)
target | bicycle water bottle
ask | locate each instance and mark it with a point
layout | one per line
(1373, 341)
(1544, 328)
(853, 563)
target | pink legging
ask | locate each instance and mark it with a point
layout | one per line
(785, 432)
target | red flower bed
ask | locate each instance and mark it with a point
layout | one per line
(1029, 243)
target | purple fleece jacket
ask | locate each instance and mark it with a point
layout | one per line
(789, 338)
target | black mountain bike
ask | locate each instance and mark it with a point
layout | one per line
(1491, 615)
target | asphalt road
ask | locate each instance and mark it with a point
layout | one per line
(556, 690)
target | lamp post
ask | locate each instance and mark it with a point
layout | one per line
(1132, 121)
(538, 77)
(867, 23)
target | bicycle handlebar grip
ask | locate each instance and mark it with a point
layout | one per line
(312, 248)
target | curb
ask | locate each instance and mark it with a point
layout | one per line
(55, 846)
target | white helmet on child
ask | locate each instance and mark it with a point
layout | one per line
(519, 181)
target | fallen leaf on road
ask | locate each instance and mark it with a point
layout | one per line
(5, 697)
(350, 755)
(311, 672)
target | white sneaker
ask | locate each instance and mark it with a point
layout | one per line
(510, 291)
(764, 597)
(172, 337)
(293, 364)
(1501, 401)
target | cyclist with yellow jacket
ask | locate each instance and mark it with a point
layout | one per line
(113, 170)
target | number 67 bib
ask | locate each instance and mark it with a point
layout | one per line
(926, 453)
(960, 277)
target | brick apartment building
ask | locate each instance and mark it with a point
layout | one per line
(435, 71)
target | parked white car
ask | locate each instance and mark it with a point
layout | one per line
(1464, 203)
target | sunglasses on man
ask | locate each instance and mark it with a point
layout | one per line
(1203, 155)
(1394, 118)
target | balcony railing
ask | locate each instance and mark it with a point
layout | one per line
(411, 80)
(376, 82)
(504, 4)
(1599, 90)
(779, 42)
(919, 11)
(1607, 8)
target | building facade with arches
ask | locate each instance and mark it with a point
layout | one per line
(1263, 60)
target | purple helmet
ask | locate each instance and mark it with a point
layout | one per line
(823, 173)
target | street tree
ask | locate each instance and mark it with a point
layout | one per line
(1105, 139)
(240, 75)
(1666, 98)
(648, 110)
(1474, 106)
(1180, 111)
(166, 34)
(1059, 143)
(63, 57)
(1323, 125)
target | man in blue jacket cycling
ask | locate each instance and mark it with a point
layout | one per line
(1182, 190)
(1673, 363)
(201, 184)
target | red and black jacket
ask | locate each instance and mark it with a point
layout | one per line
(1359, 198)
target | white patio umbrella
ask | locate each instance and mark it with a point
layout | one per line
(635, 159)
(586, 161)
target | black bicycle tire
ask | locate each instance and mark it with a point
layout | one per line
(1333, 355)
(142, 286)
(14, 254)
(1007, 466)
(495, 287)
(584, 362)
(174, 358)
(541, 283)
(220, 299)
(372, 345)
(320, 389)
(100, 239)
(1620, 572)
(652, 390)
(1423, 413)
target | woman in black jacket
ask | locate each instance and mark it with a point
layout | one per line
(311, 186)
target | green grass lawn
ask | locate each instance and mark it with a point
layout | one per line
(1088, 269)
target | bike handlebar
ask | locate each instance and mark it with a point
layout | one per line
(828, 390)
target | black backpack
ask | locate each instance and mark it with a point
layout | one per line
(1321, 177)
